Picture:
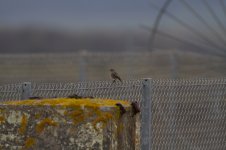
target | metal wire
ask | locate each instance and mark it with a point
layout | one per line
(10, 92)
(202, 20)
(183, 23)
(214, 15)
(189, 114)
(197, 47)
(128, 90)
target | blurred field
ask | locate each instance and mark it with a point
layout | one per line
(95, 66)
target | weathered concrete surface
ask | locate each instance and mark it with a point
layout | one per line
(71, 125)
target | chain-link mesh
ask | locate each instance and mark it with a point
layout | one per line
(128, 90)
(10, 92)
(189, 114)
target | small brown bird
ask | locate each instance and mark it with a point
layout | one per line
(121, 108)
(135, 108)
(115, 76)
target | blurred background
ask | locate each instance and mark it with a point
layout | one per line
(68, 41)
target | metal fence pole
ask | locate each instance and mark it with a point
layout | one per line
(26, 90)
(146, 115)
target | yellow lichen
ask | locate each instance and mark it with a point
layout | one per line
(37, 116)
(93, 114)
(76, 115)
(78, 110)
(29, 143)
(2, 110)
(103, 118)
(23, 126)
(45, 123)
(2, 119)
(120, 128)
(70, 102)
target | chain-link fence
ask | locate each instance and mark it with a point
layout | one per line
(10, 92)
(128, 90)
(188, 114)
(175, 114)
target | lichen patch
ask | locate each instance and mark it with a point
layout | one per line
(2, 119)
(24, 122)
(45, 123)
(29, 143)
(70, 102)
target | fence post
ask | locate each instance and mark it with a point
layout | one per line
(146, 115)
(26, 90)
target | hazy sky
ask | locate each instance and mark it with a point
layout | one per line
(75, 13)
(119, 14)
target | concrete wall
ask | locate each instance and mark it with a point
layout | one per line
(35, 124)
